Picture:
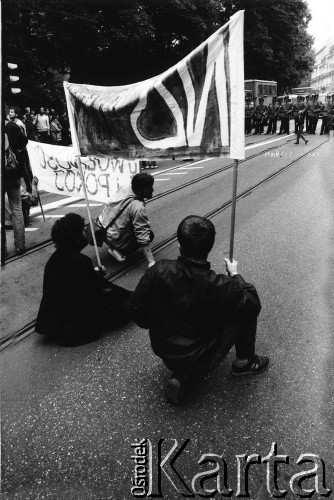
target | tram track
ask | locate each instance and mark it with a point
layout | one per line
(48, 242)
(29, 328)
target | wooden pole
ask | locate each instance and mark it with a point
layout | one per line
(78, 159)
(40, 204)
(76, 148)
(234, 200)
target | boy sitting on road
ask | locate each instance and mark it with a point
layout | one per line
(194, 315)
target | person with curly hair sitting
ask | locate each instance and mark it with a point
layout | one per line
(78, 303)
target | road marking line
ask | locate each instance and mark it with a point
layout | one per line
(180, 166)
(78, 205)
(178, 173)
(251, 146)
(66, 201)
(49, 216)
(54, 204)
(190, 168)
(30, 229)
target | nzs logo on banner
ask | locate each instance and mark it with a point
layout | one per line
(186, 100)
(194, 108)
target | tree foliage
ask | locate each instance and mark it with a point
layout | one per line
(277, 45)
(115, 42)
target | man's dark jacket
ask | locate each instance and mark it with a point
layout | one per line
(185, 306)
(17, 139)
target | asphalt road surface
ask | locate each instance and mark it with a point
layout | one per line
(70, 415)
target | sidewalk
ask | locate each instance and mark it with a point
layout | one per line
(70, 414)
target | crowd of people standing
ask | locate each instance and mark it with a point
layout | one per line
(19, 185)
(306, 109)
(47, 126)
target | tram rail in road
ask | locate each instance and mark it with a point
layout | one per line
(29, 328)
(48, 242)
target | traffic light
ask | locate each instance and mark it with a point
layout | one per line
(13, 78)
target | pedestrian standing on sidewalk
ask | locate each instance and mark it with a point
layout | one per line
(11, 186)
(65, 132)
(14, 116)
(43, 126)
(78, 303)
(55, 129)
(18, 142)
(194, 315)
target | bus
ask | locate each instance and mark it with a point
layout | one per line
(254, 89)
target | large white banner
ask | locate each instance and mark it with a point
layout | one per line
(57, 172)
(195, 108)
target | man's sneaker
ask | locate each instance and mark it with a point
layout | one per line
(174, 390)
(116, 254)
(255, 365)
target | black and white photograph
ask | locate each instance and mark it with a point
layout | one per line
(167, 249)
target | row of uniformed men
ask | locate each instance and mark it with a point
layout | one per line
(309, 107)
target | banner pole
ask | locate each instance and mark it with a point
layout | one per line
(40, 204)
(234, 200)
(76, 147)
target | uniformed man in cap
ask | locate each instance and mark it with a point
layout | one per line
(307, 119)
(285, 111)
(249, 110)
(327, 115)
(272, 113)
(259, 115)
(331, 121)
(299, 112)
(313, 111)
(319, 109)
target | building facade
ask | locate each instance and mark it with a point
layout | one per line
(323, 74)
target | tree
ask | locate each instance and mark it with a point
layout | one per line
(116, 42)
(99, 42)
(277, 45)
(43, 37)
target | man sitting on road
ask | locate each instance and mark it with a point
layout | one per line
(194, 315)
(77, 303)
(131, 228)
